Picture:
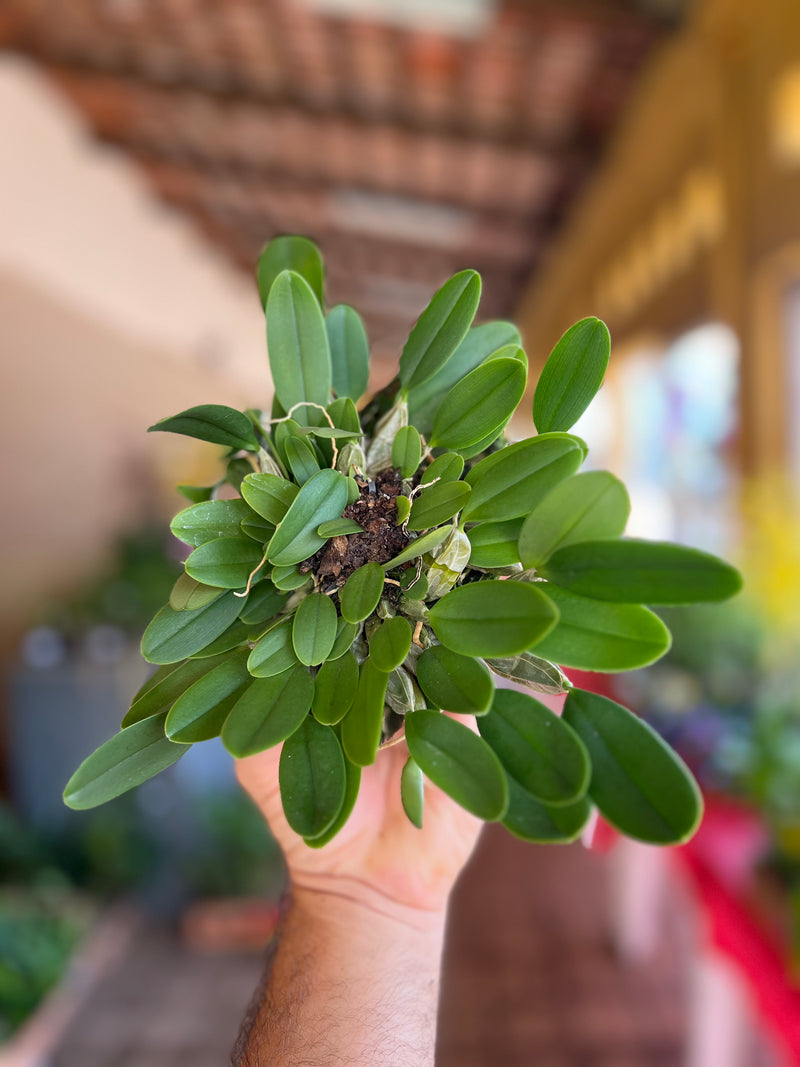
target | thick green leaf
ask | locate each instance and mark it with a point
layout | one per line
(361, 726)
(361, 592)
(263, 604)
(440, 328)
(454, 682)
(302, 459)
(412, 792)
(198, 714)
(419, 547)
(257, 528)
(289, 578)
(511, 482)
(639, 784)
(160, 692)
(123, 762)
(494, 544)
(343, 412)
(314, 629)
(335, 689)
(459, 762)
(212, 422)
(176, 635)
(236, 470)
(188, 594)
(209, 520)
(536, 747)
(437, 504)
(631, 571)
(269, 711)
(352, 785)
(571, 376)
(290, 253)
(274, 652)
(312, 778)
(323, 497)
(445, 468)
(478, 344)
(345, 636)
(414, 588)
(269, 495)
(545, 824)
(285, 429)
(481, 446)
(403, 506)
(390, 644)
(349, 351)
(593, 635)
(492, 618)
(590, 506)
(227, 562)
(339, 528)
(297, 344)
(480, 404)
(196, 493)
(406, 450)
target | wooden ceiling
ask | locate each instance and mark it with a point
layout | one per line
(407, 153)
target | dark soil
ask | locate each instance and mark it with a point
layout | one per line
(376, 511)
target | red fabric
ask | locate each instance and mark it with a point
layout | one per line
(718, 862)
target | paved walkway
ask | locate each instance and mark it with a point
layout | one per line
(530, 982)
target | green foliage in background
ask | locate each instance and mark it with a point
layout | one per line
(383, 563)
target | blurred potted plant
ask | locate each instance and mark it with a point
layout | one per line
(383, 562)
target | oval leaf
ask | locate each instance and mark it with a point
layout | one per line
(198, 714)
(176, 635)
(390, 644)
(349, 351)
(494, 544)
(123, 762)
(412, 792)
(335, 689)
(263, 604)
(459, 762)
(598, 636)
(480, 404)
(445, 468)
(492, 618)
(269, 495)
(314, 629)
(632, 571)
(351, 787)
(639, 784)
(339, 528)
(406, 450)
(323, 497)
(188, 594)
(160, 692)
(587, 507)
(571, 376)
(454, 682)
(290, 253)
(536, 748)
(274, 652)
(361, 727)
(545, 824)
(269, 711)
(419, 547)
(227, 562)
(440, 328)
(478, 344)
(437, 504)
(297, 345)
(302, 459)
(212, 422)
(361, 592)
(345, 636)
(509, 483)
(312, 778)
(531, 671)
(209, 520)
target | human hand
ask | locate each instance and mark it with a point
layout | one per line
(379, 857)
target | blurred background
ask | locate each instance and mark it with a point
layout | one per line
(633, 159)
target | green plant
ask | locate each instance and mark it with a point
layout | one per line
(380, 564)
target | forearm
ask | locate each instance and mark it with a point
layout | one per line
(353, 982)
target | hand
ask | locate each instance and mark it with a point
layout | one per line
(378, 858)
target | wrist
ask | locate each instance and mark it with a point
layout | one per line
(349, 907)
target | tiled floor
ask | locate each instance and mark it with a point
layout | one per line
(529, 980)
